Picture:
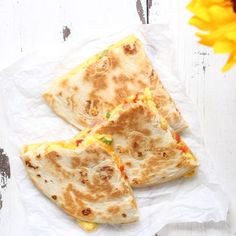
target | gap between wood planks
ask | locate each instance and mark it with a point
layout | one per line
(143, 8)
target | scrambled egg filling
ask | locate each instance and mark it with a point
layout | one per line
(87, 226)
(163, 124)
(73, 143)
(181, 145)
(144, 97)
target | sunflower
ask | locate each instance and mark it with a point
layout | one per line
(217, 21)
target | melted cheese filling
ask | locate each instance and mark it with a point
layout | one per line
(71, 144)
(142, 98)
(87, 226)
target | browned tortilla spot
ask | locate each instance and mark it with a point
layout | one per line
(106, 172)
(121, 94)
(113, 60)
(28, 163)
(142, 84)
(52, 158)
(52, 155)
(54, 197)
(130, 49)
(99, 82)
(75, 162)
(64, 82)
(75, 88)
(86, 211)
(113, 209)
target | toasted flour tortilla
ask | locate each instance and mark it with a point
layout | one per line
(152, 153)
(86, 93)
(82, 178)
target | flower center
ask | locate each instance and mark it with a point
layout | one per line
(234, 5)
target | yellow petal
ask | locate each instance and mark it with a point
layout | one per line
(222, 30)
(221, 15)
(217, 1)
(223, 46)
(231, 35)
(191, 5)
(203, 25)
(205, 39)
(203, 14)
(229, 64)
(219, 33)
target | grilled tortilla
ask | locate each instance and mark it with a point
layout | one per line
(83, 178)
(152, 153)
(86, 93)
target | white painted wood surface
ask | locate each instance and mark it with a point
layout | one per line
(27, 25)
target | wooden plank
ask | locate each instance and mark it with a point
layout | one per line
(214, 96)
(27, 25)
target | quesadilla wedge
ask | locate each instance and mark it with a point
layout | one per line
(84, 178)
(152, 153)
(89, 91)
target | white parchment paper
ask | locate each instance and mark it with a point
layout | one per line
(29, 120)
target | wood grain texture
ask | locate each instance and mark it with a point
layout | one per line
(29, 25)
(5, 173)
(141, 10)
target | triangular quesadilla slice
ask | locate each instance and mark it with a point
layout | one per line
(86, 93)
(152, 153)
(84, 178)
